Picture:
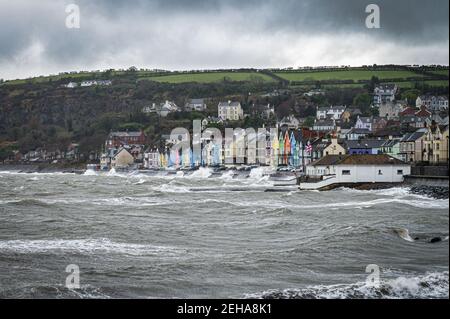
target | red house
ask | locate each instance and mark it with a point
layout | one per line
(118, 139)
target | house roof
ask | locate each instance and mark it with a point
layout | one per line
(359, 131)
(366, 159)
(412, 137)
(328, 160)
(355, 111)
(196, 101)
(365, 119)
(423, 112)
(120, 150)
(408, 111)
(365, 144)
(389, 143)
(327, 122)
(412, 119)
(386, 87)
(388, 132)
(338, 108)
(229, 104)
(357, 159)
(125, 134)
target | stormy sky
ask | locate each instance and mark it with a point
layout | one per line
(210, 34)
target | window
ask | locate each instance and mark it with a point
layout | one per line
(346, 172)
(400, 172)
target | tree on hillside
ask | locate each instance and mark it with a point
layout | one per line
(410, 96)
(374, 81)
(363, 102)
(284, 109)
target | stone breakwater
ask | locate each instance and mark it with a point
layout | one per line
(438, 192)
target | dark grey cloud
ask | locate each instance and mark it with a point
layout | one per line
(183, 34)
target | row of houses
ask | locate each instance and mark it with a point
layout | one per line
(50, 154)
(386, 93)
(89, 83)
(425, 143)
(298, 148)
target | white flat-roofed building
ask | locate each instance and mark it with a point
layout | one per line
(352, 169)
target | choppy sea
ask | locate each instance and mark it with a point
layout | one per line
(202, 236)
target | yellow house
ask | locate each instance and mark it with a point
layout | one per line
(435, 145)
(334, 148)
(439, 145)
(122, 158)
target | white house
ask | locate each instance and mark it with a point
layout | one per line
(333, 170)
(364, 123)
(324, 125)
(230, 111)
(152, 159)
(166, 108)
(390, 110)
(122, 159)
(384, 93)
(333, 112)
(96, 82)
(433, 103)
(291, 122)
(71, 85)
(88, 83)
(195, 105)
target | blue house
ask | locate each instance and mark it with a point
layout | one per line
(372, 147)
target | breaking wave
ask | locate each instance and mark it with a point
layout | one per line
(56, 291)
(85, 246)
(431, 285)
(404, 234)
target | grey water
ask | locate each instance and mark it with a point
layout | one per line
(197, 236)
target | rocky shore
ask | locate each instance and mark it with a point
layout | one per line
(438, 192)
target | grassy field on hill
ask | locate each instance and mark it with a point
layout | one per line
(403, 85)
(210, 77)
(441, 72)
(354, 75)
(337, 77)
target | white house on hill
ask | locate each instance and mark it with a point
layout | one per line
(230, 111)
(384, 93)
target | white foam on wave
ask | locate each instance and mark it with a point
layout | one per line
(171, 188)
(113, 172)
(259, 177)
(140, 181)
(84, 246)
(202, 172)
(399, 192)
(90, 172)
(227, 176)
(437, 204)
(430, 285)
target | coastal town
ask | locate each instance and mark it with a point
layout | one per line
(269, 153)
(402, 132)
